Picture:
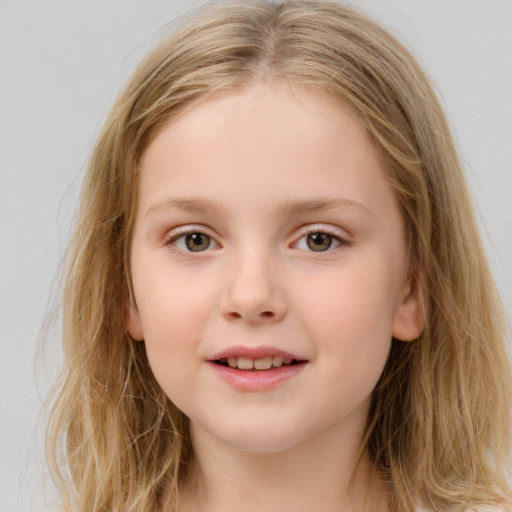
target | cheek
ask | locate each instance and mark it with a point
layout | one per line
(171, 337)
(349, 322)
(172, 304)
(350, 314)
(173, 312)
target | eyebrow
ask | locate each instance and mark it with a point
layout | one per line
(286, 208)
(323, 204)
(189, 205)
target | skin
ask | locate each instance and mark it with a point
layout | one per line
(237, 169)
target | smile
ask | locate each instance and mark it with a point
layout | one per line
(256, 368)
(262, 363)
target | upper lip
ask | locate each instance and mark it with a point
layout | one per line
(254, 353)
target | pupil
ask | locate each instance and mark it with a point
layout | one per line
(319, 241)
(197, 242)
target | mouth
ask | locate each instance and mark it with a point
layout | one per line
(256, 365)
(256, 369)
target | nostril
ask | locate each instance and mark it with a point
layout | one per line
(267, 314)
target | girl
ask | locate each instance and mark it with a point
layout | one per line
(276, 296)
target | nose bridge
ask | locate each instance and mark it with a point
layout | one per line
(254, 291)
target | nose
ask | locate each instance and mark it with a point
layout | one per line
(254, 293)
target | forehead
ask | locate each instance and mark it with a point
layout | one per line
(295, 142)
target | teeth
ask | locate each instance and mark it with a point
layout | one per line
(277, 361)
(244, 363)
(263, 363)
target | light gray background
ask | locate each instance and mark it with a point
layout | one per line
(61, 64)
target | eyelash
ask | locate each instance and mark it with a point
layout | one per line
(183, 233)
(313, 230)
(173, 238)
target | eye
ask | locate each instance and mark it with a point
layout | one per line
(318, 241)
(194, 241)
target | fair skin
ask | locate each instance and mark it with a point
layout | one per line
(264, 232)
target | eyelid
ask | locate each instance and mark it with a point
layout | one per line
(339, 234)
(180, 231)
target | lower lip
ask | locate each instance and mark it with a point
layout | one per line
(257, 380)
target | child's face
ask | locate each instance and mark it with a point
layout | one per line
(265, 230)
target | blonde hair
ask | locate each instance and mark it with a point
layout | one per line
(439, 423)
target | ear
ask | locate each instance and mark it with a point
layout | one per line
(409, 320)
(134, 323)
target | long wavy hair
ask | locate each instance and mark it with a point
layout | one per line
(439, 422)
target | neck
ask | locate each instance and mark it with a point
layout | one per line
(325, 474)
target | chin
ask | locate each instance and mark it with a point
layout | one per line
(278, 439)
(258, 437)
